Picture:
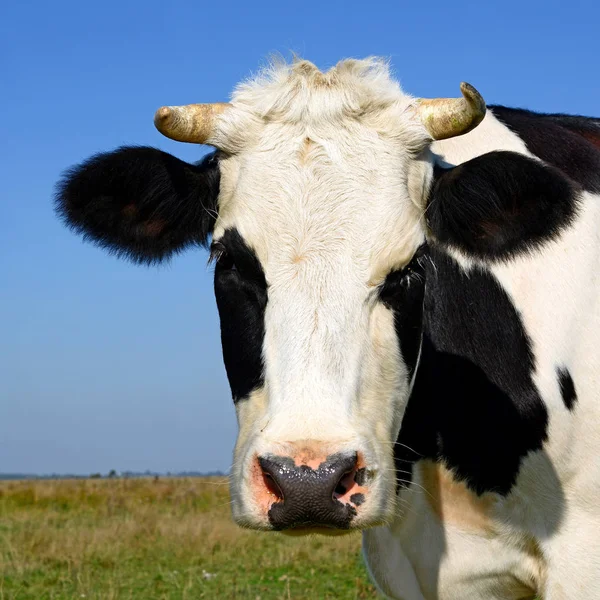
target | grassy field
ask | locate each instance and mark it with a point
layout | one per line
(147, 539)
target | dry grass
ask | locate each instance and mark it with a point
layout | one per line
(171, 538)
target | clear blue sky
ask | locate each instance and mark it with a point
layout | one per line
(105, 365)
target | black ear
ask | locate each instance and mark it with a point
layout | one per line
(140, 202)
(499, 204)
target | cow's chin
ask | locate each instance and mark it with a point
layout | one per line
(327, 531)
(261, 524)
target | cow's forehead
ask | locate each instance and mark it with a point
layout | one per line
(308, 183)
(294, 215)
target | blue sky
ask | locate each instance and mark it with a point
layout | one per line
(106, 365)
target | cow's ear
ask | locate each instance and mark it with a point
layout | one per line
(140, 202)
(499, 204)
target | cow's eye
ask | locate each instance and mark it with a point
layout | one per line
(221, 258)
(226, 263)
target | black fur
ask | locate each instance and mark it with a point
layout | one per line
(403, 292)
(474, 405)
(241, 293)
(140, 202)
(570, 143)
(499, 204)
(567, 388)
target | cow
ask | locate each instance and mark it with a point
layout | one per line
(409, 307)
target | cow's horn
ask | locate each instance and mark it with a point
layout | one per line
(192, 123)
(448, 117)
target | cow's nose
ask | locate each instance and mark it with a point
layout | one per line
(307, 497)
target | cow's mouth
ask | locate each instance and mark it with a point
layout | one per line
(316, 530)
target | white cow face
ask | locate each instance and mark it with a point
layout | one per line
(315, 204)
(319, 287)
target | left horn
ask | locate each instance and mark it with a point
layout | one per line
(448, 117)
(193, 123)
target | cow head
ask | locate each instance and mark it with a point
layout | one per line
(314, 206)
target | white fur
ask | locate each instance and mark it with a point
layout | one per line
(325, 178)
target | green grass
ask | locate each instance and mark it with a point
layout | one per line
(145, 539)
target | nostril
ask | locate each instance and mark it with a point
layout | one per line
(340, 490)
(345, 484)
(270, 471)
(272, 486)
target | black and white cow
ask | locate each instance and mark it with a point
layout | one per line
(410, 317)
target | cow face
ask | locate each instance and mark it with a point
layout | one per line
(315, 205)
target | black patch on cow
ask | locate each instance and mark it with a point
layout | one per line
(241, 293)
(499, 204)
(357, 499)
(474, 405)
(567, 388)
(402, 292)
(140, 202)
(308, 494)
(586, 127)
(570, 143)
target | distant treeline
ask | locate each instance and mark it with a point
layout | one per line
(110, 475)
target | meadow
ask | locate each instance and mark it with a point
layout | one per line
(159, 539)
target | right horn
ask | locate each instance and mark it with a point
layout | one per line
(448, 117)
(193, 123)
